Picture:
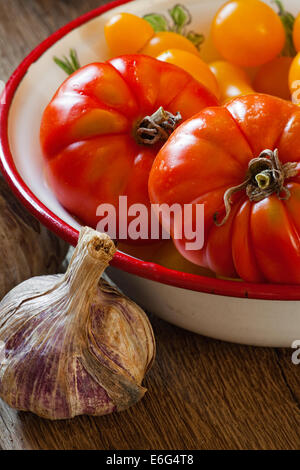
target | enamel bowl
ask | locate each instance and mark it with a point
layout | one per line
(257, 314)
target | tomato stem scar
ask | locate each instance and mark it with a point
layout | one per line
(266, 175)
(157, 127)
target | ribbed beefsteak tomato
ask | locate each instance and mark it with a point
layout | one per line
(241, 161)
(104, 126)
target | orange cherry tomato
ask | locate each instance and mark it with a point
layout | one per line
(127, 34)
(194, 65)
(296, 33)
(168, 40)
(294, 79)
(248, 32)
(232, 80)
(255, 236)
(89, 131)
(273, 78)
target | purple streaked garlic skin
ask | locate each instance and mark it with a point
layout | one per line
(73, 344)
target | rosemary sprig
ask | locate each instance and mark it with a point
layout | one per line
(68, 64)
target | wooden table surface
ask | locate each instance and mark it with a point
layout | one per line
(202, 394)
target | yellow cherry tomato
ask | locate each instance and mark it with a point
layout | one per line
(296, 33)
(167, 40)
(294, 79)
(233, 81)
(248, 32)
(273, 78)
(193, 65)
(127, 34)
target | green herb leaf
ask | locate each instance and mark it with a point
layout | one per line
(180, 16)
(196, 39)
(74, 59)
(68, 65)
(288, 21)
(158, 22)
(63, 64)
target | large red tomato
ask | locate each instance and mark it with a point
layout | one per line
(95, 139)
(242, 161)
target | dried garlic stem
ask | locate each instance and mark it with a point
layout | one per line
(73, 344)
(90, 259)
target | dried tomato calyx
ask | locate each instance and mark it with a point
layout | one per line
(266, 175)
(157, 127)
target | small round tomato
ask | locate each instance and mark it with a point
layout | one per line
(168, 40)
(273, 78)
(248, 33)
(104, 126)
(240, 161)
(232, 80)
(194, 65)
(294, 78)
(296, 33)
(127, 34)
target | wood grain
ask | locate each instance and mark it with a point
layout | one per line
(202, 394)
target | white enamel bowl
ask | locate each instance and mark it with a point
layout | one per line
(267, 315)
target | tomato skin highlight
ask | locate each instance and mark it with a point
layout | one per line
(88, 130)
(210, 153)
(248, 33)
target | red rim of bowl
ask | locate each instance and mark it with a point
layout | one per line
(127, 263)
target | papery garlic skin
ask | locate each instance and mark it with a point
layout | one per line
(73, 344)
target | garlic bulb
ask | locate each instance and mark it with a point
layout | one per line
(27, 248)
(73, 344)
